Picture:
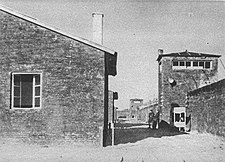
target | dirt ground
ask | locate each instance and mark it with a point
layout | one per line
(189, 147)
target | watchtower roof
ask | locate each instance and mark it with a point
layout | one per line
(186, 54)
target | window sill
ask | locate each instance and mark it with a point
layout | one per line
(26, 109)
(190, 68)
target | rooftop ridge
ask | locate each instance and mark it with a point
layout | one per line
(187, 54)
(46, 26)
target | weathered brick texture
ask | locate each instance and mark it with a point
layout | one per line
(207, 106)
(186, 80)
(73, 82)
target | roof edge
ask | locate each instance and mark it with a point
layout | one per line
(200, 54)
(210, 87)
(43, 25)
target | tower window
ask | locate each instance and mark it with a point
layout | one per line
(188, 63)
(207, 64)
(181, 63)
(195, 63)
(201, 63)
(175, 63)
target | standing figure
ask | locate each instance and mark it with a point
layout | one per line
(150, 119)
(155, 120)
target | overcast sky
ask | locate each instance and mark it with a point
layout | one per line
(136, 29)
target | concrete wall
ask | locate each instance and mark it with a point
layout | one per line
(73, 83)
(207, 107)
(186, 80)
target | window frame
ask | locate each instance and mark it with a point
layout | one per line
(195, 64)
(33, 90)
(175, 63)
(187, 64)
(206, 67)
(201, 64)
(182, 63)
(191, 64)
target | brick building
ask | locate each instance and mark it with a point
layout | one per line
(180, 73)
(53, 85)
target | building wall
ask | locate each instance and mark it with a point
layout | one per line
(186, 80)
(207, 107)
(73, 83)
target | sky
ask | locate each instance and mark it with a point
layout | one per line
(136, 29)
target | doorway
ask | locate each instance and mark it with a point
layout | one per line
(180, 118)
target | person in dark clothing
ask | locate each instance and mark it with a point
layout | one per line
(155, 120)
(150, 119)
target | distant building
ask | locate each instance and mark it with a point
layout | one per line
(122, 115)
(179, 73)
(134, 107)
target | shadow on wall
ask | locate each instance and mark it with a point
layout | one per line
(125, 133)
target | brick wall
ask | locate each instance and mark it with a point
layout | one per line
(73, 83)
(207, 107)
(186, 80)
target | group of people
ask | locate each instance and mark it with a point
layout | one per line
(153, 119)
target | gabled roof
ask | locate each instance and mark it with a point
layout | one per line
(43, 25)
(186, 54)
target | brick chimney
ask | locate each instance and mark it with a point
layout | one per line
(160, 51)
(97, 28)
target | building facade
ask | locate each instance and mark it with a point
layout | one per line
(53, 85)
(180, 73)
(134, 107)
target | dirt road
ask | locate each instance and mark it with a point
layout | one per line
(192, 147)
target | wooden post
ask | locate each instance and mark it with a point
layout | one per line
(105, 127)
(101, 136)
(113, 133)
(113, 109)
